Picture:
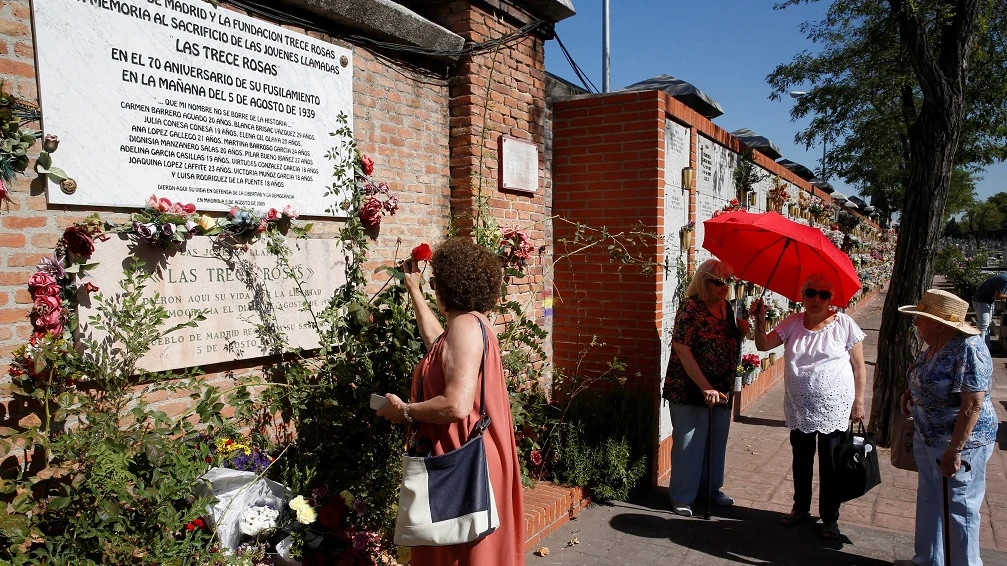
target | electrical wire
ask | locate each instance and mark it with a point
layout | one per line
(584, 80)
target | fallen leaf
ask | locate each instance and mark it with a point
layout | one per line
(542, 551)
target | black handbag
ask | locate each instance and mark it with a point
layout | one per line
(857, 467)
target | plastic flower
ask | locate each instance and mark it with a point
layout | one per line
(257, 519)
(289, 212)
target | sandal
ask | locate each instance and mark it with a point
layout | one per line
(794, 518)
(830, 531)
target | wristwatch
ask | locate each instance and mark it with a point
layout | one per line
(405, 411)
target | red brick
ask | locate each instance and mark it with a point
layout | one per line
(12, 240)
(21, 222)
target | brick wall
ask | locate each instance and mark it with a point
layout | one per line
(401, 120)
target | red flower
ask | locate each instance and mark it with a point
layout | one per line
(422, 253)
(272, 215)
(367, 164)
(42, 284)
(78, 241)
(370, 213)
(536, 457)
(195, 524)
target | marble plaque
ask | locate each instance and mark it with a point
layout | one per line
(234, 292)
(518, 165)
(190, 102)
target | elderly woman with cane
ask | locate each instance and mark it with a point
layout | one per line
(706, 343)
(824, 379)
(948, 396)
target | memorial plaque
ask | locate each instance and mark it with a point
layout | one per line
(234, 293)
(518, 165)
(189, 102)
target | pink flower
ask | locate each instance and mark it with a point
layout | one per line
(163, 205)
(262, 226)
(367, 164)
(536, 457)
(40, 280)
(152, 202)
(189, 208)
(272, 215)
(176, 208)
(391, 205)
(289, 212)
(234, 210)
(370, 212)
(45, 304)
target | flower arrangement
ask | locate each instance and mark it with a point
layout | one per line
(749, 362)
(165, 224)
(731, 206)
(778, 193)
(378, 200)
(246, 222)
(515, 248)
(689, 227)
(238, 454)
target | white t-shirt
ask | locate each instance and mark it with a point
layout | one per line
(818, 376)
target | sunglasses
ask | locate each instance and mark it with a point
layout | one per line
(812, 293)
(433, 285)
(716, 282)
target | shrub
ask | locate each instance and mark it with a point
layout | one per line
(964, 274)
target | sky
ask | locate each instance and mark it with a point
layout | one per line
(726, 48)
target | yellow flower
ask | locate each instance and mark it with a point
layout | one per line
(347, 497)
(205, 222)
(305, 512)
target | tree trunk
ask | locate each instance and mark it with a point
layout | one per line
(941, 71)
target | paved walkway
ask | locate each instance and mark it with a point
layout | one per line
(876, 528)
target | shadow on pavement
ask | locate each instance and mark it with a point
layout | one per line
(744, 535)
(759, 421)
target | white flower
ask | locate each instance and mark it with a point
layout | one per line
(305, 512)
(257, 519)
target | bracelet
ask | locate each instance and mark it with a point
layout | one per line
(405, 411)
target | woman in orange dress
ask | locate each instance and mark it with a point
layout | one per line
(466, 281)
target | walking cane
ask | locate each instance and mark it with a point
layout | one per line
(709, 464)
(947, 514)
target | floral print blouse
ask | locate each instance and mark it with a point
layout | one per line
(963, 364)
(714, 344)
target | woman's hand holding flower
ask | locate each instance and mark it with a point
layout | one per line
(412, 274)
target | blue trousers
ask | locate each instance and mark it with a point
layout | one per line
(984, 316)
(968, 488)
(689, 467)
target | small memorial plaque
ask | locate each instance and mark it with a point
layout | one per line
(234, 292)
(518, 165)
(194, 103)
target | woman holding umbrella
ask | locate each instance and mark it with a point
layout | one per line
(956, 425)
(706, 343)
(824, 380)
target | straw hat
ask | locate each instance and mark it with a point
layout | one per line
(946, 308)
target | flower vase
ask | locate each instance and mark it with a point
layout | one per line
(738, 380)
(765, 364)
(686, 240)
(772, 358)
(748, 377)
(753, 197)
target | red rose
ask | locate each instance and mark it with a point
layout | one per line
(189, 208)
(78, 241)
(367, 164)
(370, 213)
(536, 457)
(273, 215)
(195, 524)
(45, 304)
(422, 253)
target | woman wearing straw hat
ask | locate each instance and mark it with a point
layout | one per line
(948, 396)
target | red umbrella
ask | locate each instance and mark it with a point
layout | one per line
(770, 250)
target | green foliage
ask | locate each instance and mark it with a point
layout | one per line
(964, 274)
(864, 97)
(747, 174)
(103, 478)
(608, 455)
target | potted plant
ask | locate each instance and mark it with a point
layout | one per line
(748, 369)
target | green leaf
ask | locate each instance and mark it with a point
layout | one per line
(57, 175)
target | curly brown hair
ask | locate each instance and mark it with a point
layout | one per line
(468, 276)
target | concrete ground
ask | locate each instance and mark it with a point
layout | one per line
(876, 529)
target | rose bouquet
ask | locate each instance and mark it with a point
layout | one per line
(165, 224)
(515, 248)
(749, 362)
(247, 222)
(377, 198)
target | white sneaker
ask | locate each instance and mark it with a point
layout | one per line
(682, 509)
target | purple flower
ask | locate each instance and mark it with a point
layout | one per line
(50, 143)
(256, 462)
(168, 229)
(190, 228)
(53, 266)
(370, 189)
(146, 231)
